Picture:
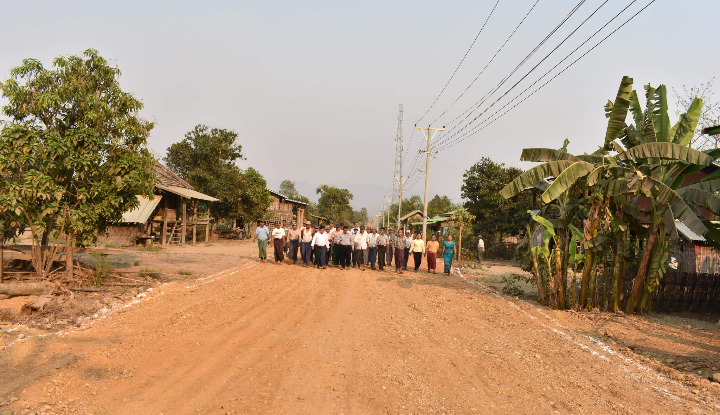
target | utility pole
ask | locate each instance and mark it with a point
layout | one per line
(397, 187)
(382, 214)
(429, 134)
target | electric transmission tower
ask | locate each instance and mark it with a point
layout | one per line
(398, 183)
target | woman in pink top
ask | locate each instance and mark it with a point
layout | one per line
(431, 249)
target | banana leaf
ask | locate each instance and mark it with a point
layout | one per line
(636, 110)
(669, 222)
(708, 186)
(686, 125)
(576, 232)
(590, 158)
(661, 119)
(712, 236)
(636, 213)
(666, 151)
(545, 154)
(618, 111)
(566, 179)
(596, 243)
(565, 144)
(700, 197)
(630, 137)
(681, 211)
(617, 147)
(533, 176)
(544, 222)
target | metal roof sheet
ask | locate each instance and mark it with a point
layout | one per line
(189, 193)
(687, 233)
(414, 212)
(142, 213)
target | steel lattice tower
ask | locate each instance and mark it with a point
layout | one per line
(398, 182)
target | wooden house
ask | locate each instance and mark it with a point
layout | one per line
(284, 208)
(175, 210)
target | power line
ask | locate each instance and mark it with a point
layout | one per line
(461, 62)
(489, 62)
(526, 75)
(470, 133)
(502, 82)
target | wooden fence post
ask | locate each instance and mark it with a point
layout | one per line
(195, 221)
(184, 221)
(164, 225)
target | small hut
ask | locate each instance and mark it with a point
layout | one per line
(175, 210)
(284, 208)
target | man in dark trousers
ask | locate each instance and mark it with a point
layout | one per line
(346, 243)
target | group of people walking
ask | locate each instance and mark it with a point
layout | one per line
(360, 247)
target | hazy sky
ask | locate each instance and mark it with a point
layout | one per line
(322, 80)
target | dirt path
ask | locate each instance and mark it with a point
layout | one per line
(261, 338)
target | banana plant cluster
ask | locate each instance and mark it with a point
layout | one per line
(624, 200)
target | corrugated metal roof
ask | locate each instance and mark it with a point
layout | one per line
(142, 213)
(190, 194)
(687, 233)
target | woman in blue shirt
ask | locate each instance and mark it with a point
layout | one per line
(448, 253)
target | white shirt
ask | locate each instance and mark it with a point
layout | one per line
(481, 244)
(320, 239)
(361, 240)
(278, 233)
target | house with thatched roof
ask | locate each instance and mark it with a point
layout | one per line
(175, 211)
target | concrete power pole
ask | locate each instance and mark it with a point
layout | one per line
(398, 187)
(429, 134)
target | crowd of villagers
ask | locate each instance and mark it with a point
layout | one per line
(615, 211)
(341, 246)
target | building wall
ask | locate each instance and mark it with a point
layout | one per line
(120, 235)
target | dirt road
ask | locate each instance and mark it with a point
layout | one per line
(261, 338)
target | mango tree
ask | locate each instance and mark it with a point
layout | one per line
(73, 152)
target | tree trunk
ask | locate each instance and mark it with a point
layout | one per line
(2, 276)
(616, 277)
(585, 280)
(559, 280)
(592, 287)
(538, 278)
(573, 288)
(639, 282)
(552, 288)
(69, 255)
(26, 288)
(566, 255)
(459, 245)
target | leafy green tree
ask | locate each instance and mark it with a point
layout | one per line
(73, 152)
(439, 205)
(496, 216)
(287, 188)
(334, 203)
(206, 158)
(415, 202)
(360, 216)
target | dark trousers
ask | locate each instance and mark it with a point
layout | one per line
(354, 257)
(306, 249)
(321, 256)
(293, 249)
(381, 256)
(399, 252)
(372, 252)
(389, 255)
(406, 257)
(345, 255)
(336, 254)
(418, 259)
(278, 245)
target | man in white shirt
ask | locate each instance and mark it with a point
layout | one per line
(278, 237)
(361, 247)
(372, 247)
(480, 248)
(331, 236)
(321, 245)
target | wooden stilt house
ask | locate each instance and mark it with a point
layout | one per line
(176, 211)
